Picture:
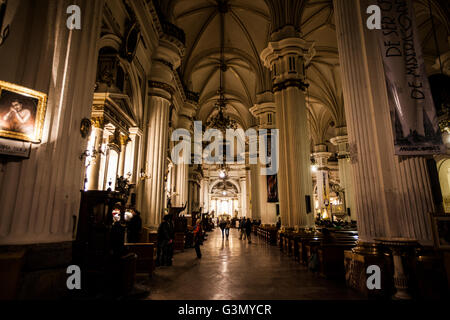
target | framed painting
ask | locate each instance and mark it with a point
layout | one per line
(22, 112)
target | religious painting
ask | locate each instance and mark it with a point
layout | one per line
(441, 228)
(22, 112)
(272, 188)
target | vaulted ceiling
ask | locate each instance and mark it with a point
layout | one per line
(243, 28)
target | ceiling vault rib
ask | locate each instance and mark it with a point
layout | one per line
(249, 39)
(192, 11)
(252, 10)
(199, 35)
(236, 73)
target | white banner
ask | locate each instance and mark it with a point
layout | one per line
(414, 120)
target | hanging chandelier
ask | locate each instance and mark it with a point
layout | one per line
(220, 121)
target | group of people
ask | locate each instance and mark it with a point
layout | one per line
(225, 225)
(166, 238)
(245, 227)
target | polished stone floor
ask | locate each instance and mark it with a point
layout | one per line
(234, 269)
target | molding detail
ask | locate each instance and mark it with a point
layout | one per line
(161, 85)
(290, 83)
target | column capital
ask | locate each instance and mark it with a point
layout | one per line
(160, 89)
(262, 109)
(185, 122)
(342, 143)
(124, 139)
(98, 122)
(339, 139)
(287, 58)
(322, 157)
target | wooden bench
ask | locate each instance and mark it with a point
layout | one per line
(145, 256)
(331, 259)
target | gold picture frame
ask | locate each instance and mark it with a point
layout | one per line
(22, 112)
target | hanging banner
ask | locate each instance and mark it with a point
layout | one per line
(414, 120)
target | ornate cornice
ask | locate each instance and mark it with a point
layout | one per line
(161, 85)
(290, 83)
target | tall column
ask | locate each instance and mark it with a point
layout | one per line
(133, 156)
(392, 195)
(157, 138)
(345, 172)
(94, 168)
(286, 58)
(254, 173)
(204, 202)
(322, 174)
(243, 186)
(40, 196)
(123, 151)
(265, 112)
(248, 189)
(166, 59)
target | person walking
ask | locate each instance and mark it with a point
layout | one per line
(248, 230)
(222, 225)
(242, 229)
(198, 234)
(227, 227)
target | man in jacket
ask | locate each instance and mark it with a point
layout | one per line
(163, 241)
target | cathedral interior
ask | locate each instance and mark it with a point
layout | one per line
(95, 94)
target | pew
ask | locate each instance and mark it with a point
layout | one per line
(145, 252)
(331, 259)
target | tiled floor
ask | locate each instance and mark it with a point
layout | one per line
(235, 269)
